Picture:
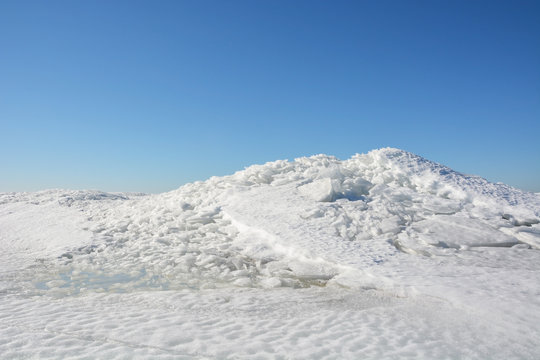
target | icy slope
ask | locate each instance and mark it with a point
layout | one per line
(279, 224)
(387, 221)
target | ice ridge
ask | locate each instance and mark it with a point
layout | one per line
(313, 220)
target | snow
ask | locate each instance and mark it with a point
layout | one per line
(383, 255)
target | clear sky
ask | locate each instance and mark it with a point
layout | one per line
(148, 95)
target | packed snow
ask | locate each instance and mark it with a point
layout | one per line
(383, 255)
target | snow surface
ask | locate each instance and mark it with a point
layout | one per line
(384, 255)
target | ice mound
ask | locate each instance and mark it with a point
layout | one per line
(329, 240)
(297, 223)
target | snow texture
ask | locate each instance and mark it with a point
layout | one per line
(384, 255)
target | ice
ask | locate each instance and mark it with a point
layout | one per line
(328, 190)
(383, 255)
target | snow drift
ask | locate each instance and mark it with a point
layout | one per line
(387, 221)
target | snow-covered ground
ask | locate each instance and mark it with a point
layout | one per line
(384, 255)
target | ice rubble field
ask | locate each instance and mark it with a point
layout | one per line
(384, 255)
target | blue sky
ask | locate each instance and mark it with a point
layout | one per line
(148, 95)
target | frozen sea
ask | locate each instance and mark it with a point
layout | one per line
(386, 255)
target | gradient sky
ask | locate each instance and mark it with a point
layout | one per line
(148, 95)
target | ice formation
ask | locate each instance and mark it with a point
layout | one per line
(432, 262)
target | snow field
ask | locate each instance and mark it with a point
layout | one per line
(248, 323)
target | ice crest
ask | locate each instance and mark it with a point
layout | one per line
(262, 222)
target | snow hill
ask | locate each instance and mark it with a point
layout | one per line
(385, 254)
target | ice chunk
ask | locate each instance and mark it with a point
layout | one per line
(328, 190)
(455, 232)
(319, 190)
